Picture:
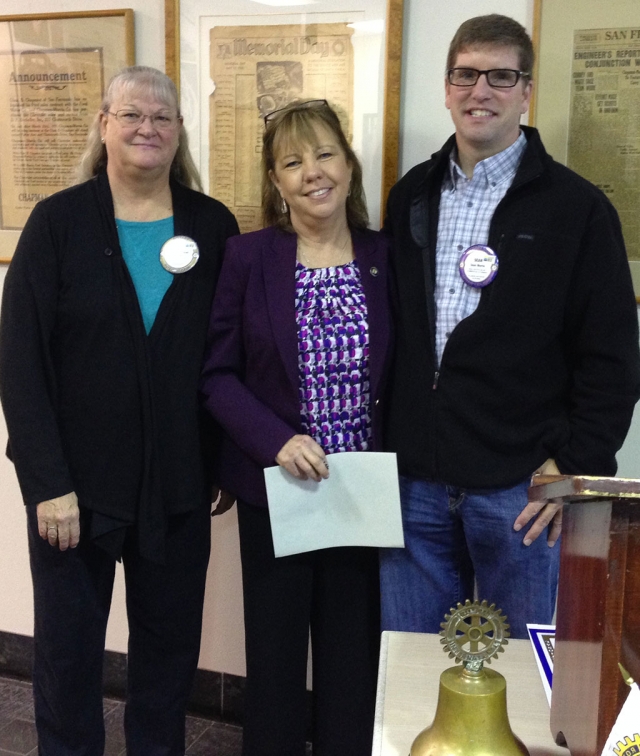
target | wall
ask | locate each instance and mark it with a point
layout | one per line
(429, 25)
(629, 456)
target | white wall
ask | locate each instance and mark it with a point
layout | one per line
(425, 124)
(629, 456)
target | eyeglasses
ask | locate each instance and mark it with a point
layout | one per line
(132, 118)
(501, 78)
(306, 105)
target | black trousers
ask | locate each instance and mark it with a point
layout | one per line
(333, 592)
(72, 596)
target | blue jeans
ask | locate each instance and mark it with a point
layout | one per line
(454, 536)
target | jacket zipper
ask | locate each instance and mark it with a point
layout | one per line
(436, 375)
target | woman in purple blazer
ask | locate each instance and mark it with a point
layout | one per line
(300, 339)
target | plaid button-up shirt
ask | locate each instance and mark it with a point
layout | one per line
(466, 208)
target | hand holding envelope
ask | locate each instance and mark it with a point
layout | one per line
(357, 505)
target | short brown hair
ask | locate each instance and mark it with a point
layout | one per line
(493, 30)
(296, 125)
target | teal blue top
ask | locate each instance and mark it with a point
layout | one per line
(141, 243)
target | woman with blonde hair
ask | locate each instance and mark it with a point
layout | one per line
(103, 329)
(300, 341)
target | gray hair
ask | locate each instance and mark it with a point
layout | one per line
(160, 87)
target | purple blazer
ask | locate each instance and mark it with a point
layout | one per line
(250, 381)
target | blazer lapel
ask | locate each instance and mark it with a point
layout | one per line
(278, 265)
(369, 251)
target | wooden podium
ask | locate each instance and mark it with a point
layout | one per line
(598, 622)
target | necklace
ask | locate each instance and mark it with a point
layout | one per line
(339, 256)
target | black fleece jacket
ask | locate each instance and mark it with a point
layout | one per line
(547, 366)
(93, 404)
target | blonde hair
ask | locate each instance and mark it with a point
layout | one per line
(296, 124)
(160, 87)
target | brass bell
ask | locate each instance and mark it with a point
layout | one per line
(471, 717)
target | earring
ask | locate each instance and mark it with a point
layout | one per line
(284, 207)
(102, 140)
(349, 192)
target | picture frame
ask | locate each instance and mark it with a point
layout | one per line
(587, 96)
(376, 29)
(53, 71)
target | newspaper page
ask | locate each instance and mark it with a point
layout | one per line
(604, 138)
(48, 99)
(258, 69)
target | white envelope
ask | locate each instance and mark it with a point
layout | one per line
(358, 505)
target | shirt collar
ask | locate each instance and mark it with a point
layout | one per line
(493, 170)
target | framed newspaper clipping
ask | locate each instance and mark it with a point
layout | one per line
(587, 104)
(53, 70)
(236, 60)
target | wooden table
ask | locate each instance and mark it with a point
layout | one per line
(410, 667)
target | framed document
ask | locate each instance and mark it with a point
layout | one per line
(254, 57)
(587, 101)
(53, 71)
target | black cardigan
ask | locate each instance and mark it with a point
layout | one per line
(92, 403)
(548, 364)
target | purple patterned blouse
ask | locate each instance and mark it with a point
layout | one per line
(333, 357)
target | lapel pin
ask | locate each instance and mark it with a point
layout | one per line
(373, 271)
(179, 254)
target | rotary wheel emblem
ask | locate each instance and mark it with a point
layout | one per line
(474, 633)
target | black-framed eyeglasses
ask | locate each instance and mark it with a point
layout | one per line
(132, 118)
(501, 78)
(305, 105)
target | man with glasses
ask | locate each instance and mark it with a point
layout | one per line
(517, 346)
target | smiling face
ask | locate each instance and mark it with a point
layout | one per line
(313, 179)
(143, 149)
(487, 119)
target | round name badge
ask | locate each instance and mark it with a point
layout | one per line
(179, 254)
(478, 265)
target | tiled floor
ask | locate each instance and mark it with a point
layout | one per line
(18, 733)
